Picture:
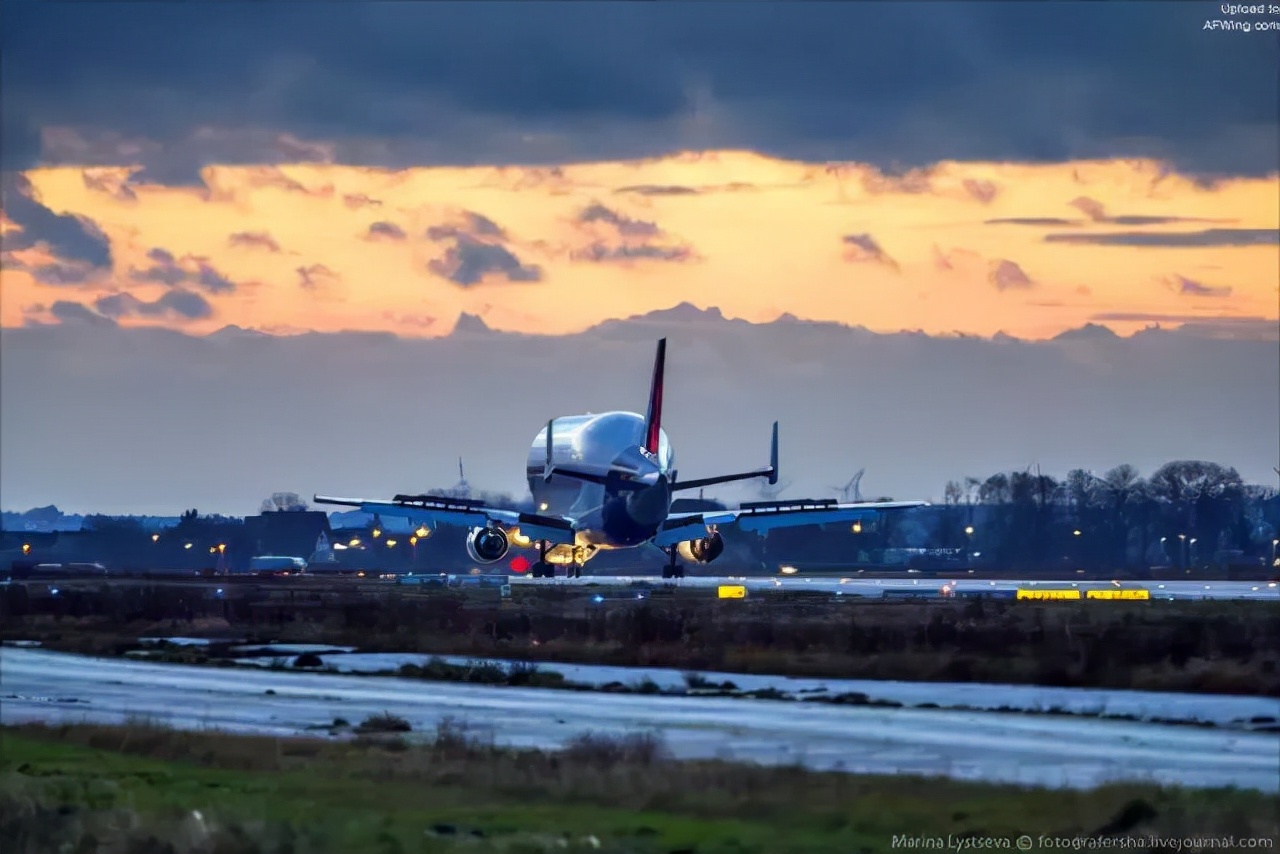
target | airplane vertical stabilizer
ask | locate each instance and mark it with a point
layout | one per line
(653, 416)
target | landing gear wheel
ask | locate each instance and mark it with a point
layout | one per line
(673, 569)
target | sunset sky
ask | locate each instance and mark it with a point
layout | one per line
(946, 168)
(296, 167)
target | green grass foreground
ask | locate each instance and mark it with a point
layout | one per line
(142, 788)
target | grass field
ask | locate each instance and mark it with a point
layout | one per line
(141, 788)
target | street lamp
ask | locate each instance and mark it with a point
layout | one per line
(155, 538)
(1274, 543)
(1183, 537)
(1191, 542)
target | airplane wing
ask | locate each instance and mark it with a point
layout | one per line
(433, 511)
(766, 515)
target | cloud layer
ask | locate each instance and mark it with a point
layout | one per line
(462, 84)
(848, 398)
(974, 248)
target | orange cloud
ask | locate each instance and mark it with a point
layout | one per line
(968, 241)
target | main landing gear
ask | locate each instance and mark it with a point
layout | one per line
(543, 569)
(673, 569)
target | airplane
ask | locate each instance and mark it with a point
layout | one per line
(606, 481)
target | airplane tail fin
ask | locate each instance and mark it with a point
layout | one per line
(653, 416)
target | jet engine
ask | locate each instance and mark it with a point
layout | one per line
(704, 550)
(487, 545)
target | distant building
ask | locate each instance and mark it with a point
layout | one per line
(287, 532)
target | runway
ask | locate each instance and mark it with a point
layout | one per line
(852, 585)
(991, 746)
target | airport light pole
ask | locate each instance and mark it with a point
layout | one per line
(1274, 543)
(1190, 550)
(1183, 537)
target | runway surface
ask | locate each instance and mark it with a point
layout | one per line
(851, 585)
(1040, 750)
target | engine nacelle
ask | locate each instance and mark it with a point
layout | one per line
(487, 545)
(704, 550)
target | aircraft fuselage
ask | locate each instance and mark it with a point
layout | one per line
(622, 513)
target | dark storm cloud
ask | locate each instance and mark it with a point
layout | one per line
(394, 84)
(78, 314)
(1204, 237)
(165, 269)
(73, 238)
(623, 224)
(469, 261)
(56, 273)
(178, 304)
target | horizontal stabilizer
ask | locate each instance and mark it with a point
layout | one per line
(770, 472)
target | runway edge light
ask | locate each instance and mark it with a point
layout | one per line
(731, 591)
